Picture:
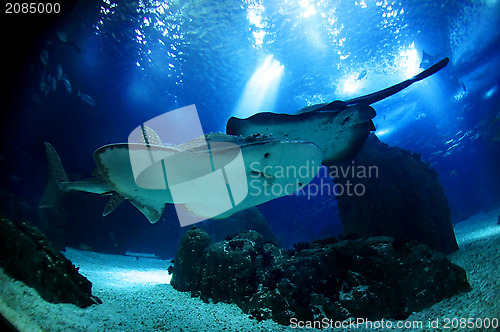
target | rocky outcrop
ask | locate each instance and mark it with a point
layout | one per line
(373, 278)
(397, 194)
(26, 255)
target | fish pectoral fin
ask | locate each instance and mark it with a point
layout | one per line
(113, 203)
(152, 211)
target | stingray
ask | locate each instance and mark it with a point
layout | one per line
(427, 60)
(263, 174)
(339, 128)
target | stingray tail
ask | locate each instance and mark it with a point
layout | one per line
(431, 70)
(55, 189)
(382, 94)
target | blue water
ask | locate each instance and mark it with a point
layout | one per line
(137, 61)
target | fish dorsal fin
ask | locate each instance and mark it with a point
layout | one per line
(149, 136)
(113, 203)
(152, 211)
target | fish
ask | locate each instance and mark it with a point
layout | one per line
(36, 98)
(361, 75)
(44, 57)
(67, 85)
(63, 37)
(454, 146)
(497, 117)
(86, 98)
(44, 87)
(140, 254)
(427, 60)
(263, 159)
(85, 246)
(53, 84)
(496, 137)
(339, 128)
(59, 72)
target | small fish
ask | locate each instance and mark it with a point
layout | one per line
(62, 36)
(44, 57)
(67, 85)
(361, 75)
(465, 135)
(36, 98)
(497, 136)
(54, 84)
(15, 178)
(437, 153)
(86, 98)
(497, 118)
(44, 87)
(140, 254)
(59, 72)
(85, 246)
(452, 147)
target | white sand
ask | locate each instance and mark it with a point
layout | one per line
(137, 297)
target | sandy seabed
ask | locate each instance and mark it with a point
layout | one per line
(136, 295)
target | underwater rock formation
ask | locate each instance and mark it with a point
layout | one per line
(26, 255)
(375, 278)
(404, 198)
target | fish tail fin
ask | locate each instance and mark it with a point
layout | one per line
(56, 169)
(55, 189)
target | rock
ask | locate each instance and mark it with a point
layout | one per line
(191, 256)
(26, 255)
(403, 198)
(374, 278)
